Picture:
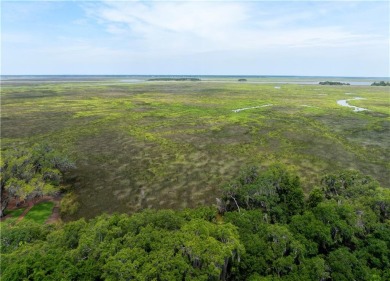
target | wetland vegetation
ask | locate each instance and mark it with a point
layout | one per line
(172, 144)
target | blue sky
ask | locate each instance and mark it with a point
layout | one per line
(339, 38)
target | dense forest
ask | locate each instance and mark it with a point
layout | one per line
(262, 228)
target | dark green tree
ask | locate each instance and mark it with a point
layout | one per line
(276, 191)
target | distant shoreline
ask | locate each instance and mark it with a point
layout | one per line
(126, 79)
(184, 76)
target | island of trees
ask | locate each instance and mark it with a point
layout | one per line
(381, 83)
(262, 228)
(242, 80)
(333, 83)
(174, 79)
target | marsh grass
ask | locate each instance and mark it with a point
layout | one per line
(172, 145)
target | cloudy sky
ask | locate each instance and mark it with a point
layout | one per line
(339, 38)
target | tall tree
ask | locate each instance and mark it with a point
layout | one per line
(276, 191)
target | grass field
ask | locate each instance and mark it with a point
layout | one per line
(173, 144)
(40, 212)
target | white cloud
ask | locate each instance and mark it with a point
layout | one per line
(182, 27)
(204, 37)
(158, 20)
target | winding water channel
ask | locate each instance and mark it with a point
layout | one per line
(355, 108)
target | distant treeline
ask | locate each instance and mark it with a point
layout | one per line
(333, 83)
(381, 83)
(174, 79)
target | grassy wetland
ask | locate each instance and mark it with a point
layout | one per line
(173, 144)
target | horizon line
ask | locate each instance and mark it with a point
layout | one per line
(194, 75)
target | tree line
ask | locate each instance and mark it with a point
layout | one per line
(381, 83)
(333, 83)
(174, 79)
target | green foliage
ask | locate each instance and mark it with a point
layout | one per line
(341, 234)
(338, 234)
(344, 266)
(163, 245)
(380, 203)
(276, 191)
(31, 173)
(316, 196)
(362, 190)
(314, 268)
(22, 233)
(205, 213)
(333, 83)
(270, 248)
(348, 184)
(316, 235)
(14, 213)
(69, 204)
(381, 83)
(174, 79)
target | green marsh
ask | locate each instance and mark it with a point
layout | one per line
(173, 144)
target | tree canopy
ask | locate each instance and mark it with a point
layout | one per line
(333, 83)
(163, 245)
(277, 192)
(31, 173)
(381, 83)
(264, 230)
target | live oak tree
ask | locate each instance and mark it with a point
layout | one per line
(162, 245)
(28, 173)
(276, 191)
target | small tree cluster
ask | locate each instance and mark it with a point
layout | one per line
(381, 83)
(332, 83)
(174, 79)
(276, 191)
(30, 173)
